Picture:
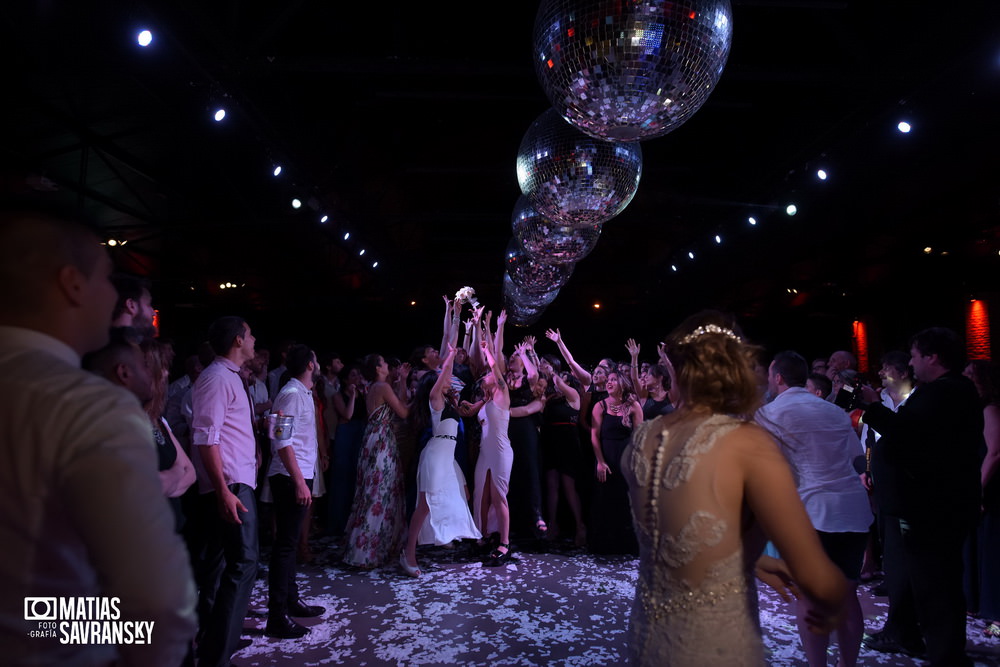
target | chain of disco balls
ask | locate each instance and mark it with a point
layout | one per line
(616, 73)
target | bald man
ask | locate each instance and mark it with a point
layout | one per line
(81, 511)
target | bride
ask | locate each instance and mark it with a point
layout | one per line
(706, 487)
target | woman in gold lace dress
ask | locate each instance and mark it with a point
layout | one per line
(707, 489)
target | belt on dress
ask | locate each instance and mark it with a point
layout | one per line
(450, 437)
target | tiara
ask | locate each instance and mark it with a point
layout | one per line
(710, 329)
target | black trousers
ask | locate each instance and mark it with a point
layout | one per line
(288, 517)
(238, 547)
(924, 569)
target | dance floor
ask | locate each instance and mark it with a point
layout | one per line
(553, 606)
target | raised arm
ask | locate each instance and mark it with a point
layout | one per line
(443, 380)
(572, 395)
(579, 371)
(498, 342)
(446, 327)
(527, 353)
(633, 350)
(503, 398)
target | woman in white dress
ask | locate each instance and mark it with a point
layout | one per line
(707, 489)
(442, 513)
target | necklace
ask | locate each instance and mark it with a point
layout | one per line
(618, 409)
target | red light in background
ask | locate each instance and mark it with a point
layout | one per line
(550, 64)
(860, 340)
(977, 330)
(692, 15)
(156, 321)
(571, 32)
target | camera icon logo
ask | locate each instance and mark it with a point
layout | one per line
(40, 609)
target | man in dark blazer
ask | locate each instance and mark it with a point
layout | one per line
(925, 474)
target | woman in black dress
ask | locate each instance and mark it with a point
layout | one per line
(612, 421)
(561, 449)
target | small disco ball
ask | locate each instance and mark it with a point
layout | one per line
(514, 294)
(574, 179)
(533, 276)
(549, 241)
(629, 71)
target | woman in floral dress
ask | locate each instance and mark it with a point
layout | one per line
(378, 519)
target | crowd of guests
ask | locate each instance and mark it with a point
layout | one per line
(686, 458)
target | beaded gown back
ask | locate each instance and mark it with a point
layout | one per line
(696, 599)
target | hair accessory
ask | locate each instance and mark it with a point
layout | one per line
(710, 329)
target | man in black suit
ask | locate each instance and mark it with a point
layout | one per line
(925, 473)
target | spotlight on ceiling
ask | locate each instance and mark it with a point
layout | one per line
(361, 253)
(324, 218)
(928, 250)
(821, 174)
(718, 239)
(296, 203)
(220, 114)
(145, 38)
(752, 220)
(791, 209)
(690, 255)
(347, 235)
(904, 127)
(374, 265)
(277, 170)
(673, 267)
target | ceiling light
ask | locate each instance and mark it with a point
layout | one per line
(145, 38)
(324, 218)
(374, 265)
(222, 286)
(597, 306)
(928, 250)
(791, 209)
(821, 174)
(413, 303)
(690, 255)
(112, 242)
(752, 220)
(347, 235)
(219, 115)
(904, 127)
(362, 252)
(296, 203)
(673, 267)
(718, 239)
(277, 170)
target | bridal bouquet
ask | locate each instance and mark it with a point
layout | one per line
(466, 295)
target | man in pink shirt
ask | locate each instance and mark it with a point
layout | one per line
(222, 432)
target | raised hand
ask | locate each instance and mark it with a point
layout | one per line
(529, 342)
(502, 318)
(553, 335)
(632, 347)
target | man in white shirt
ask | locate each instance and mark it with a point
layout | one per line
(293, 461)
(81, 511)
(820, 444)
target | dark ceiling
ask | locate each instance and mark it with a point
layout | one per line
(401, 121)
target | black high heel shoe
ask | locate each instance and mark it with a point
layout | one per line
(498, 558)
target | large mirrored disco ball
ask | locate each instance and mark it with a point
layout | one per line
(629, 70)
(574, 179)
(549, 241)
(525, 299)
(533, 276)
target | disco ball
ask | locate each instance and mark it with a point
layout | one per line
(517, 296)
(628, 71)
(574, 179)
(533, 276)
(549, 241)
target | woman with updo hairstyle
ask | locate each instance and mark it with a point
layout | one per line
(707, 491)
(378, 518)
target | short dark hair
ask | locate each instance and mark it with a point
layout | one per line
(792, 367)
(223, 332)
(943, 342)
(297, 360)
(822, 383)
(900, 361)
(128, 287)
